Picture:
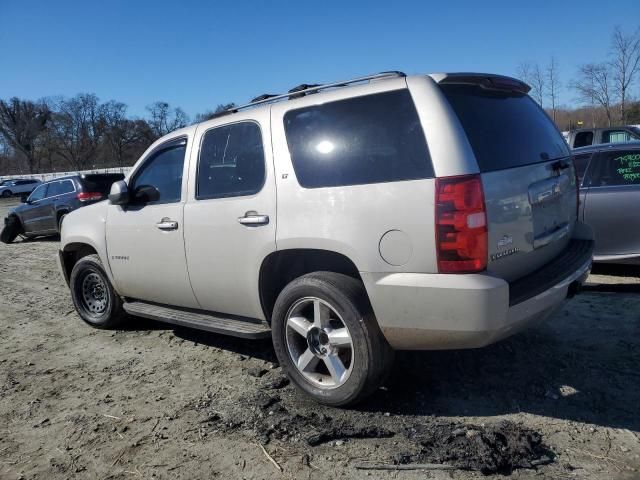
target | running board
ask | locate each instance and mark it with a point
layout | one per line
(243, 328)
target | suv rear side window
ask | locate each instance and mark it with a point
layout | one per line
(505, 130)
(370, 139)
(616, 168)
(231, 162)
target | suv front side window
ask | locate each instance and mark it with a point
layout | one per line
(38, 194)
(163, 170)
(231, 162)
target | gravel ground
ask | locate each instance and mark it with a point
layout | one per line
(558, 401)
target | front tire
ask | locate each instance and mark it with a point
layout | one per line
(7, 193)
(95, 300)
(327, 339)
(11, 230)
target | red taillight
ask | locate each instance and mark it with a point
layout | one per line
(89, 196)
(461, 225)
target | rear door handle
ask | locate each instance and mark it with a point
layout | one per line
(167, 224)
(253, 219)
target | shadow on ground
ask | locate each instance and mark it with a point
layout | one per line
(582, 365)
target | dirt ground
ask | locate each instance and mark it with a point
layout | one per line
(153, 401)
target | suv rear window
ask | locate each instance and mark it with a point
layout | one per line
(100, 182)
(369, 139)
(505, 130)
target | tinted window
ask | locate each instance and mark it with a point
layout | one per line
(66, 186)
(38, 194)
(55, 188)
(370, 139)
(616, 168)
(163, 170)
(581, 162)
(100, 182)
(583, 139)
(231, 161)
(505, 130)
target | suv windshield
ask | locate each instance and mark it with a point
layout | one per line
(505, 130)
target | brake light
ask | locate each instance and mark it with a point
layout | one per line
(89, 196)
(461, 225)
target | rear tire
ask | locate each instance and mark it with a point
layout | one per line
(339, 359)
(11, 230)
(95, 300)
(7, 193)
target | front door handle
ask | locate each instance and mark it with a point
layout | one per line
(253, 219)
(167, 224)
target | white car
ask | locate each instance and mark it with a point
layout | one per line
(18, 186)
(345, 221)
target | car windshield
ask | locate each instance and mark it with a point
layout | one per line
(636, 131)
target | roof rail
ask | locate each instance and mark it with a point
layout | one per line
(304, 89)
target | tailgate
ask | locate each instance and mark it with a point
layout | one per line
(527, 176)
(531, 212)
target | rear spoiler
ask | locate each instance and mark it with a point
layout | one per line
(484, 80)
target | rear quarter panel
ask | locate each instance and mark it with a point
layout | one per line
(352, 220)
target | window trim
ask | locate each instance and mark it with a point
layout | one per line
(199, 197)
(182, 140)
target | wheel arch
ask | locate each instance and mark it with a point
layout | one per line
(71, 253)
(283, 266)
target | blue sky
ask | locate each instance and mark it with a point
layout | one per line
(197, 54)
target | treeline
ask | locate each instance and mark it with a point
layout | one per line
(80, 133)
(602, 90)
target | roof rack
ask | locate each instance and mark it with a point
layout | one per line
(304, 89)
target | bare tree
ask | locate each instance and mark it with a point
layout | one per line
(533, 75)
(163, 119)
(625, 49)
(553, 84)
(122, 134)
(78, 126)
(594, 86)
(22, 122)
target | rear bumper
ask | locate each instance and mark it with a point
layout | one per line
(433, 311)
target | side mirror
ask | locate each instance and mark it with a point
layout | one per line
(24, 198)
(119, 194)
(146, 194)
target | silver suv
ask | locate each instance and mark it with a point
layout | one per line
(345, 221)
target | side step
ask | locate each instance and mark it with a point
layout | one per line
(237, 327)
